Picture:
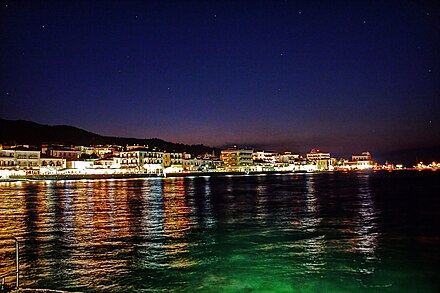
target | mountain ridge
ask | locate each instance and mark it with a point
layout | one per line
(32, 133)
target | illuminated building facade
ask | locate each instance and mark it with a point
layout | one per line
(172, 159)
(142, 159)
(265, 156)
(288, 158)
(361, 162)
(7, 159)
(57, 163)
(365, 156)
(236, 159)
(316, 155)
(65, 153)
(19, 158)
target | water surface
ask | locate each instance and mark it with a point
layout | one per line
(358, 232)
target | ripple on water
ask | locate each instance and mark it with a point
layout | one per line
(287, 233)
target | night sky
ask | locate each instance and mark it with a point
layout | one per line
(344, 77)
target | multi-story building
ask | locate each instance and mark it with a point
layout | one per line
(104, 163)
(200, 164)
(265, 156)
(365, 156)
(172, 159)
(7, 158)
(27, 158)
(19, 157)
(325, 164)
(130, 159)
(236, 159)
(153, 162)
(316, 155)
(65, 153)
(142, 159)
(54, 163)
(360, 162)
(193, 164)
(288, 158)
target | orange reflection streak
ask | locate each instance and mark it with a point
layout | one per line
(96, 220)
(177, 221)
(29, 215)
(12, 214)
(12, 209)
(73, 228)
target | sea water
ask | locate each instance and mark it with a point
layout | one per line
(332, 232)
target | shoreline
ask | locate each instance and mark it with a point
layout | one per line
(176, 175)
(135, 176)
(75, 177)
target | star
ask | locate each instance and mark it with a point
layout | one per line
(43, 26)
(136, 17)
(429, 70)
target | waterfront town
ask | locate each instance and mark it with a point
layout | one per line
(113, 160)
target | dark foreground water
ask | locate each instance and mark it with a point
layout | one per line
(376, 232)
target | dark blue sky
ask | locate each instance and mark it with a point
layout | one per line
(340, 76)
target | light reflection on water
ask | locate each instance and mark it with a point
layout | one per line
(302, 232)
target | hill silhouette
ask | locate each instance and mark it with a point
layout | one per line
(31, 133)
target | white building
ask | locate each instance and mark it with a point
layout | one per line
(289, 158)
(365, 156)
(7, 159)
(265, 156)
(80, 165)
(142, 160)
(52, 163)
(109, 163)
(359, 162)
(193, 164)
(315, 155)
(19, 158)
